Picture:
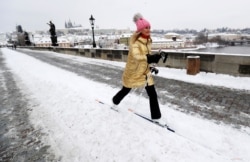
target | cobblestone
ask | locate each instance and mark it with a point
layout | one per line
(187, 97)
(20, 141)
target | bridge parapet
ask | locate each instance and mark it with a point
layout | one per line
(232, 64)
(237, 42)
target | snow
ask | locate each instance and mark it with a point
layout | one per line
(80, 129)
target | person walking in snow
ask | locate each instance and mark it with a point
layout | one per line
(137, 71)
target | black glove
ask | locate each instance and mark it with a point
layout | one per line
(153, 58)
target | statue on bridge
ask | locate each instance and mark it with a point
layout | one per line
(52, 31)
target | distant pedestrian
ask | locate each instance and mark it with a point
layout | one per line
(14, 45)
(137, 71)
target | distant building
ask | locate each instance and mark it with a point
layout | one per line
(63, 42)
(158, 42)
(165, 43)
(173, 36)
(226, 36)
(41, 41)
(124, 38)
(3, 39)
(69, 24)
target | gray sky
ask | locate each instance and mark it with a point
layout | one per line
(162, 14)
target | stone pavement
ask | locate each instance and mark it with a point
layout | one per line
(19, 141)
(223, 105)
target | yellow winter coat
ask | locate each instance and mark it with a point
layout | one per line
(137, 67)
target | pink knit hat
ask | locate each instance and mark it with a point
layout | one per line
(140, 22)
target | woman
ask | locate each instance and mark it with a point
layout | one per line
(137, 71)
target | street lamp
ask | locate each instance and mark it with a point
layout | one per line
(92, 23)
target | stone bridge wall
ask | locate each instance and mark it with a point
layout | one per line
(233, 64)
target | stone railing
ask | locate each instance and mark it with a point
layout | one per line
(233, 64)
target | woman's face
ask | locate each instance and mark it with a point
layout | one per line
(146, 31)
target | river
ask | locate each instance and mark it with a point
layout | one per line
(244, 49)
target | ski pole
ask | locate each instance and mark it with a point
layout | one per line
(146, 82)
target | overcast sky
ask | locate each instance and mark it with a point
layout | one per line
(162, 14)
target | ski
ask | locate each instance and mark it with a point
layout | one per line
(137, 114)
(163, 126)
(150, 120)
(111, 107)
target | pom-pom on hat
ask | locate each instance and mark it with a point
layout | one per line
(140, 22)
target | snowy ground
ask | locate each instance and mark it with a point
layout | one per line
(80, 129)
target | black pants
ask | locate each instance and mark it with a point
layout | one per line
(153, 100)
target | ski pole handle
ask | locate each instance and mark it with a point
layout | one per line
(164, 56)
